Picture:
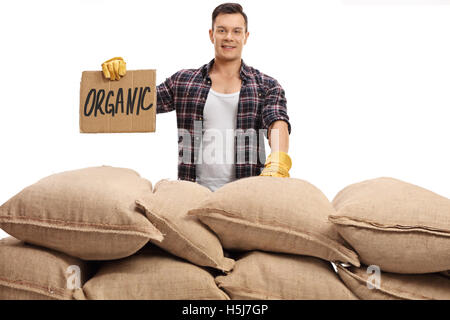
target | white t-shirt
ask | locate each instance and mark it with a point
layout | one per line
(216, 165)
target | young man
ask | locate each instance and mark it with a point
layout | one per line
(224, 109)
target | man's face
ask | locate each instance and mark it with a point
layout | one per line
(229, 36)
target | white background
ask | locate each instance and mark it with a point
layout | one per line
(367, 84)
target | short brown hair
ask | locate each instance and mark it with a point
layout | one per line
(229, 8)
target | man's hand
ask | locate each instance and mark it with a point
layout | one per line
(114, 68)
(277, 164)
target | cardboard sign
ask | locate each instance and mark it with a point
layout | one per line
(127, 105)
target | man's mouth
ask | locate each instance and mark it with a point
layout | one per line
(228, 47)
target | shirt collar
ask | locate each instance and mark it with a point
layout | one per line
(244, 72)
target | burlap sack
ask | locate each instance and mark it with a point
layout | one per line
(274, 214)
(395, 286)
(88, 213)
(184, 236)
(151, 274)
(28, 272)
(274, 276)
(398, 226)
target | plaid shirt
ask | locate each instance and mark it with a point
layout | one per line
(261, 102)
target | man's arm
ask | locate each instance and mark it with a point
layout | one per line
(165, 95)
(276, 120)
(279, 136)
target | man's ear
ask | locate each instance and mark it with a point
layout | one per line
(246, 37)
(211, 36)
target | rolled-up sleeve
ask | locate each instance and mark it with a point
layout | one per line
(165, 95)
(275, 107)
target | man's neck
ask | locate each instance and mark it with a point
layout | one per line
(225, 68)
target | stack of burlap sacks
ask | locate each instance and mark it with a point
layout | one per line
(400, 229)
(107, 233)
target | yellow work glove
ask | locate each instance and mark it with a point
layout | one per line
(277, 164)
(114, 68)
